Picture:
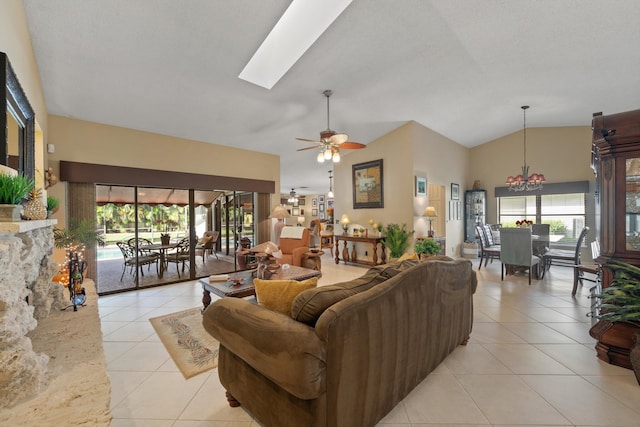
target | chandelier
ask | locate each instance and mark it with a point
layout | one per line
(524, 181)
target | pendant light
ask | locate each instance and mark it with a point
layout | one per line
(524, 181)
(330, 194)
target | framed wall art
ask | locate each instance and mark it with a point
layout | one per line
(321, 198)
(421, 186)
(455, 191)
(296, 211)
(314, 212)
(321, 207)
(314, 202)
(368, 191)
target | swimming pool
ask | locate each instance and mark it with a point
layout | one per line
(109, 252)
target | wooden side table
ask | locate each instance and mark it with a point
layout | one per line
(313, 260)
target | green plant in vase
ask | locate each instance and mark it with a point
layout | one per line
(13, 190)
(396, 238)
(620, 302)
(52, 204)
(426, 248)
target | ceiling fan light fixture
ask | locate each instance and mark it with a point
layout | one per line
(320, 157)
(336, 156)
(327, 154)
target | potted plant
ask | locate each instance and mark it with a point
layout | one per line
(620, 302)
(78, 234)
(52, 205)
(396, 238)
(426, 247)
(13, 190)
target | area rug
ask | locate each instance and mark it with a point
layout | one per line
(192, 349)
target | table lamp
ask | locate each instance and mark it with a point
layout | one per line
(345, 221)
(430, 213)
(280, 213)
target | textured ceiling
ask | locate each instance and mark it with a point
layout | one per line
(462, 68)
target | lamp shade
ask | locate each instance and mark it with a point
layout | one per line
(430, 212)
(344, 219)
(279, 212)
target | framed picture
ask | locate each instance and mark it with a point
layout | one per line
(301, 201)
(321, 215)
(368, 191)
(452, 209)
(314, 202)
(458, 211)
(455, 191)
(321, 207)
(329, 203)
(301, 211)
(314, 212)
(421, 186)
(295, 212)
(321, 199)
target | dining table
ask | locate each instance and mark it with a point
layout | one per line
(162, 249)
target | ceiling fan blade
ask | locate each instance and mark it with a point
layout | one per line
(351, 145)
(306, 148)
(338, 138)
(310, 140)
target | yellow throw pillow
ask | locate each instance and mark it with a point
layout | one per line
(278, 295)
(406, 256)
(204, 240)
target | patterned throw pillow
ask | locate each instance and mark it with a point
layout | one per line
(278, 295)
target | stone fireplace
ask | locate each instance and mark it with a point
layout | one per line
(27, 295)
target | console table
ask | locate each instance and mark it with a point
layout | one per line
(352, 256)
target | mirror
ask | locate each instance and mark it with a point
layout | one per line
(18, 123)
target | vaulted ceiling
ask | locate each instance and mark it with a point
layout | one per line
(462, 68)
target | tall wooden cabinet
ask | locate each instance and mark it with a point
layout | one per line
(616, 162)
(475, 212)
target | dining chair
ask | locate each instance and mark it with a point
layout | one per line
(516, 250)
(130, 260)
(487, 252)
(180, 256)
(566, 257)
(580, 269)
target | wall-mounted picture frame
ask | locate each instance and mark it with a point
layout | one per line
(455, 191)
(295, 212)
(314, 212)
(314, 202)
(330, 203)
(321, 215)
(452, 208)
(368, 189)
(321, 207)
(321, 198)
(420, 186)
(301, 211)
(301, 201)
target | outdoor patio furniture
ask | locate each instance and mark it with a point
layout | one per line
(180, 256)
(208, 243)
(130, 259)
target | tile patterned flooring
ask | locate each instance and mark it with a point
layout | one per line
(530, 361)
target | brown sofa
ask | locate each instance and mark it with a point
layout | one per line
(350, 352)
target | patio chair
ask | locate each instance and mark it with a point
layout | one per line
(208, 242)
(487, 251)
(180, 256)
(129, 254)
(516, 250)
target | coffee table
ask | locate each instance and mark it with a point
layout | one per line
(246, 288)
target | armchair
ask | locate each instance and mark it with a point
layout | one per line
(294, 243)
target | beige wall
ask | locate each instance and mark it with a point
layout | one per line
(443, 162)
(15, 41)
(562, 154)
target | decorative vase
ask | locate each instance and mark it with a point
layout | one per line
(10, 213)
(345, 254)
(634, 356)
(354, 255)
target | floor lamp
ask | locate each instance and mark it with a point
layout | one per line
(280, 213)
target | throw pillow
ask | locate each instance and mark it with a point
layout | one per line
(278, 295)
(407, 256)
(204, 240)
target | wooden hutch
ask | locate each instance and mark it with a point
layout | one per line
(616, 163)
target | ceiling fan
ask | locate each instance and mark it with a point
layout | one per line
(330, 142)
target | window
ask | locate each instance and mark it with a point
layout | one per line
(565, 213)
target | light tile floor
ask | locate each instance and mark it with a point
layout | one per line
(530, 361)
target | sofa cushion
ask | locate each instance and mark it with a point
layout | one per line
(405, 256)
(278, 295)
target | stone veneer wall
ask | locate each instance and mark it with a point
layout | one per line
(26, 295)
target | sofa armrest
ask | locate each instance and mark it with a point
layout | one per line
(287, 352)
(297, 254)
